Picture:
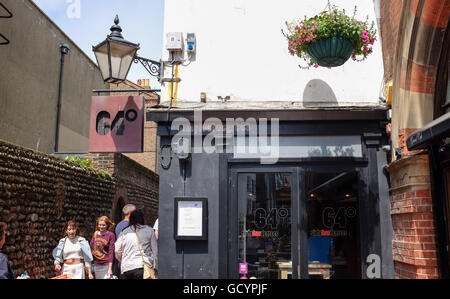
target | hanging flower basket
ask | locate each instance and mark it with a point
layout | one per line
(330, 38)
(330, 52)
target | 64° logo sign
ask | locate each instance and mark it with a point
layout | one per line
(116, 124)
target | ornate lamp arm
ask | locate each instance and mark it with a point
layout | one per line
(152, 66)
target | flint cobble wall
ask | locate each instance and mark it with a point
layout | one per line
(39, 193)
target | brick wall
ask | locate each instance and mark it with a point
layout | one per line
(390, 11)
(134, 182)
(414, 245)
(40, 193)
(411, 55)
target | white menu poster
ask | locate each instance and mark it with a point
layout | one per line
(190, 218)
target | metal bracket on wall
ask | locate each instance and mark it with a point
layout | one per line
(4, 42)
(372, 139)
(152, 66)
(9, 15)
(139, 91)
(166, 156)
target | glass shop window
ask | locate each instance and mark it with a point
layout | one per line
(297, 147)
(333, 225)
(265, 225)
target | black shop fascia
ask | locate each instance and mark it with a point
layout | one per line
(273, 190)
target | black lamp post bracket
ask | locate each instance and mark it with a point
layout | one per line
(152, 66)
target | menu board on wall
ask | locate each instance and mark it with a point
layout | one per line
(191, 218)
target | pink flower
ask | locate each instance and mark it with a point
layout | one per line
(329, 68)
(372, 41)
(314, 27)
(295, 44)
(316, 65)
(306, 31)
(364, 39)
(315, 35)
(365, 33)
(308, 39)
(354, 57)
(365, 49)
(302, 41)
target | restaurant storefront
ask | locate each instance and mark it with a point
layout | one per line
(319, 210)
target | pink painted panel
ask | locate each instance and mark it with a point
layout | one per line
(117, 124)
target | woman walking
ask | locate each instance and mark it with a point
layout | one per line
(102, 245)
(5, 269)
(73, 255)
(135, 246)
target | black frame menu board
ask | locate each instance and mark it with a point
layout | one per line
(191, 218)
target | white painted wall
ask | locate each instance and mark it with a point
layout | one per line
(242, 53)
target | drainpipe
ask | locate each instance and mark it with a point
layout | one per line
(64, 51)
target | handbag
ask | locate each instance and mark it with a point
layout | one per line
(149, 272)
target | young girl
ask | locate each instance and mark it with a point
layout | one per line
(102, 245)
(73, 253)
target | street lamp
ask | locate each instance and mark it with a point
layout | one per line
(115, 55)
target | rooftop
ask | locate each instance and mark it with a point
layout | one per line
(266, 105)
(274, 109)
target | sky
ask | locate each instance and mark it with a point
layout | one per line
(87, 23)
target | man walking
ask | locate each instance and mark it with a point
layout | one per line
(127, 209)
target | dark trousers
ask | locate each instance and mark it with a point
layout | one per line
(116, 268)
(133, 274)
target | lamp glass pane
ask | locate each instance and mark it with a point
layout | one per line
(101, 54)
(121, 59)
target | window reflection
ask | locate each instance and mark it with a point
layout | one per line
(265, 224)
(333, 225)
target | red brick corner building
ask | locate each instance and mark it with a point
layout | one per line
(415, 44)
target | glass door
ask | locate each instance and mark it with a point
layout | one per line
(264, 231)
(295, 223)
(332, 204)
